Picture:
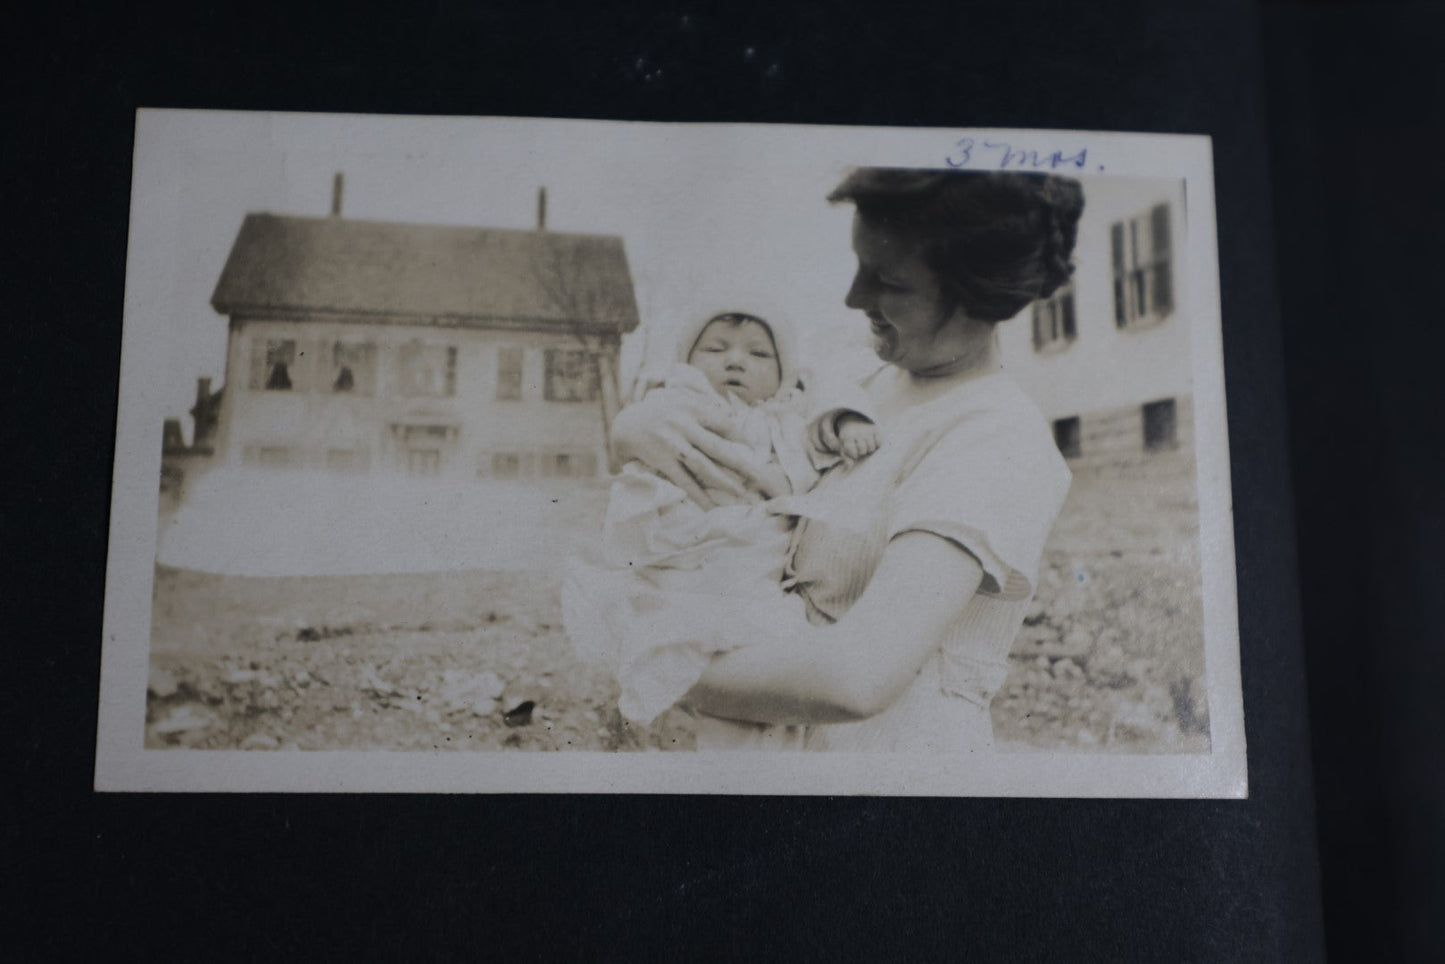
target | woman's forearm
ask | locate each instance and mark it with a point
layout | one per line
(797, 680)
(861, 665)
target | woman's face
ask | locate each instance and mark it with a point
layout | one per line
(914, 324)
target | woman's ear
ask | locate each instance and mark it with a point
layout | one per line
(951, 302)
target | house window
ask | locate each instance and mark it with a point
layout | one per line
(509, 465)
(425, 434)
(571, 376)
(274, 365)
(424, 463)
(345, 460)
(1054, 321)
(569, 465)
(1161, 427)
(509, 374)
(1068, 437)
(274, 456)
(1143, 268)
(506, 465)
(351, 368)
(419, 448)
(428, 371)
(171, 438)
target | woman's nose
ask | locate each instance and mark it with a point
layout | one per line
(858, 295)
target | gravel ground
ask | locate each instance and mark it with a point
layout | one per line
(470, 660)
(1111, 657)
(1112, 653)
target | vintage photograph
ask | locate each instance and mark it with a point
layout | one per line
(513, 455)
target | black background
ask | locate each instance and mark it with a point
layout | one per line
(1357, 118)
(441, 877)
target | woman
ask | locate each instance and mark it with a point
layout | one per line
(916, 564)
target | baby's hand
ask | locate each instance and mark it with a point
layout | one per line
(858, 438)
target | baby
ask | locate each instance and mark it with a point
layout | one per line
(669, 566)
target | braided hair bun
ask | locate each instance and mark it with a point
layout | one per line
(997, 240)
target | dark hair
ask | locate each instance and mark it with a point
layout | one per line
(997, 240)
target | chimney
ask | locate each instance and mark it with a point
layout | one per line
(205, 415)
(338, 185)
(541, 209)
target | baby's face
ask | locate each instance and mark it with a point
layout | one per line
(738, 358)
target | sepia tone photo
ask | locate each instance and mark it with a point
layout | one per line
(519, 455)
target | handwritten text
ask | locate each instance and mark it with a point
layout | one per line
(1002, 156)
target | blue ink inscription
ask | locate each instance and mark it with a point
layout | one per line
(1002, 156)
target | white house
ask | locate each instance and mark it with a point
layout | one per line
(421, 350)
(1107, 358)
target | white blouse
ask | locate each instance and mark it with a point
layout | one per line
(969, 459)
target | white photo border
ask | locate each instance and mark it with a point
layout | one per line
(124, 764)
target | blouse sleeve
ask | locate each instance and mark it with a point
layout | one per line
(993, 484)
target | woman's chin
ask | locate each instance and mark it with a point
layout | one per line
(885, 346)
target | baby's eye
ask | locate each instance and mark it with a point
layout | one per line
(762, 354)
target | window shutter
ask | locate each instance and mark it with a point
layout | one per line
(1116, 251)
(1159, 229)
(1163, 264)
(1038, 327)
(1067, 304)
(258, 363)
(338, 358)
(1163, 288)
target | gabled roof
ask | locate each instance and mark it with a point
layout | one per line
(284, 266)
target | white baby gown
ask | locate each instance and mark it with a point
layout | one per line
(669, 572)
(668, 568)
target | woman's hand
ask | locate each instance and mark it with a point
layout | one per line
(682, 441)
